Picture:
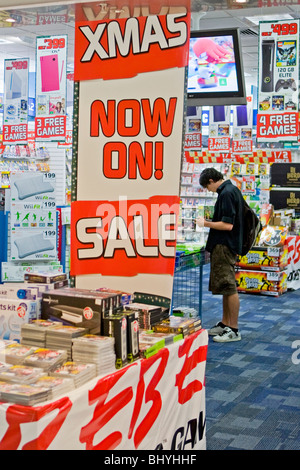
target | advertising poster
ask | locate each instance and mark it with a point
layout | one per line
(285, 175)
(278, 81)
(193, 128)
(33, 216)
(51, 86)
(219, 129)
(15, 114)
(242, 128)
(131, 74)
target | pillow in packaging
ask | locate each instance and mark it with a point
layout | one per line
(34, 244)
(32, 185)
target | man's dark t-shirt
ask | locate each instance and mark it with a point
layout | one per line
(228, 208)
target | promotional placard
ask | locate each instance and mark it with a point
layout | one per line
(33, 216)
(242, 127)
(219, 129)
(15, 114)
(131, 74)
(193, 128)
(278, 105)
(285, 175)
(51, 63)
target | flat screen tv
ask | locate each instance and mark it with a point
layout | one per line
(215, 71)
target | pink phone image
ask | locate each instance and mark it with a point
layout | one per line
(49, 72)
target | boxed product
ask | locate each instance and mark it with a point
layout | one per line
(124, 298)
(273, 235)
(150, 342)
(14, 272)
(77, 307)
(18, 290)
(265, 258)
(44, 278)
(132, 335)
(261, 282)
(116, 327)
(148, 315)
(13, 314)
(178, 325)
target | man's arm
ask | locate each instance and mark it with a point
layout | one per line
(220, 225)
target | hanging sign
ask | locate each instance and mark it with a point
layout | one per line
(242, 128)
(51, 58)
(278, 106)
(219, 129)
(193, 134)
(15, 116)
(131, 73)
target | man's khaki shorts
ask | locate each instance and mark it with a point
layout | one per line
(222, 271)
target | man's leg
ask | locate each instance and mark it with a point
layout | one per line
(231, 308)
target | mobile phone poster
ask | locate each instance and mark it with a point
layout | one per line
(51, 86)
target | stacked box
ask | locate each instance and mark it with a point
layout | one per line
(262, 282)
(116, 327)
(13, 314)
(265, 259)
(178, 325)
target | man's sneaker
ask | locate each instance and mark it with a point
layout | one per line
(217, 329)
(227, 335)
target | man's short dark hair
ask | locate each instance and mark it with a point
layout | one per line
(209, 174)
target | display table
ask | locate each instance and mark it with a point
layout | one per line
(154, 403)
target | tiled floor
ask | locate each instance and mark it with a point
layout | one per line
(253, 386)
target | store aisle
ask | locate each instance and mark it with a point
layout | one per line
(253, 386)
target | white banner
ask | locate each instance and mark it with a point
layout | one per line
(154, 403)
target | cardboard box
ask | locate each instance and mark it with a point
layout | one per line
(13, 314)
(265, 258)
(116, 327)
(261, 282)
(45, 278)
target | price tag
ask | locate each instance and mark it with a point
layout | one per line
(273, 276)
(274, 251)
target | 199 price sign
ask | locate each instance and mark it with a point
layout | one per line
(278, 81)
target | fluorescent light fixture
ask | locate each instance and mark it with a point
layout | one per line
(256, 19)
(10, 20)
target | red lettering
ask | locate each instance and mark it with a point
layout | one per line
(105, 411)
(185, 394)
(123, 117)
(151, 394)
(105, 119)
(17, 415)
(120, 150)
(159, 115)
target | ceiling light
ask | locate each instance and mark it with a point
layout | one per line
(10, 20)
(256, 19)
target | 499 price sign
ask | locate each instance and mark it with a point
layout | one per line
(278, 82)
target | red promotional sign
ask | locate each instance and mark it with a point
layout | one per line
(49, 128)
(270, 126)
(193, 140)
(124, 238)
(219, 144)
(242, 145)
(13, 133)
(123, 47)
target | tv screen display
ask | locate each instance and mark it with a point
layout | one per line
(215, 71)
